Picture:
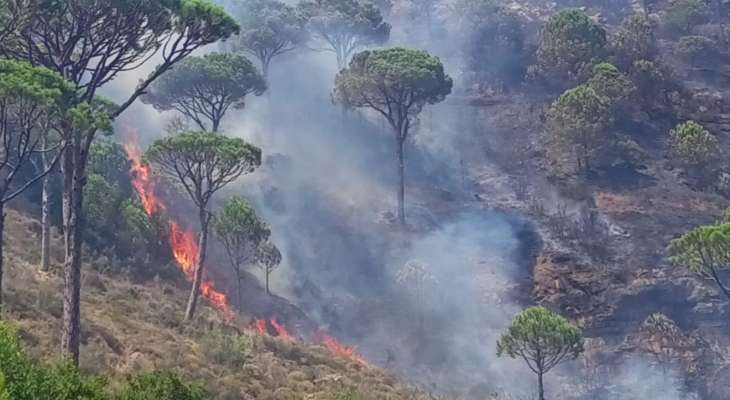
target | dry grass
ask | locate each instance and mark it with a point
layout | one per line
(128, 327)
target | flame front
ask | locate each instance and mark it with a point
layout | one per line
(261, 326)
(339, 349)
(280, 330)
(182, 241)
(141, 176)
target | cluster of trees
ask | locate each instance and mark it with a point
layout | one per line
(51, 114)
(616, 79)
(51, 106)
(270, 28)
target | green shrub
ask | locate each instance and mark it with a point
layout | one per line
(612, 85)
(683, 15)
(4, 394)
(577, 122)
(692, 145)
(160, 385)
(651, 81)
(570, 44)
(227, 349)
(24, 380)
(697, 50)
(629, 153)
(723, 184)
(634, 40)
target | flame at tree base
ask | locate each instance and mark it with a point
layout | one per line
(182, 242)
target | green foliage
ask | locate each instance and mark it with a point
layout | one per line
(268, 256)
(629, 153)
(204, 88)
(612, 86)
(542, 338)
(723, 184)
(406, 79)
(697, 50)
(268, 28)
(345, 25)
(108, 159)
(239, 220)
(692, 145)
(4, 394)
(115, 220)
(35, 86)
(242, 233)
(100, 201)
(704, 250)
(32, 101)
(203, 162)
(227, 349)
(202, 21)
(87, 39)
(683, 15)
(570, 44)
(136, 226)
(651, 81)
(635, 40)
(160, 385)
(577, 122)
(25, 380)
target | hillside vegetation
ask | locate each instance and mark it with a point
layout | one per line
(133, 327)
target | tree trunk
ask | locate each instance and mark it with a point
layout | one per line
(265, 70)
(73, 208)
(341, 60)
(540, 388)
(238, 288)
(268, 273)
(198, 278)
(401, 183)
(2, 247)
(45, 213)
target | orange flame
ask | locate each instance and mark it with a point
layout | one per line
(337, 348)
(280, 330)
(184, 248)
(261, 326)
(182, 242)
(142, 180)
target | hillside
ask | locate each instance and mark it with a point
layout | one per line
(130, 327)
(370, 199)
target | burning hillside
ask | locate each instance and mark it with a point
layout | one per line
(185, 249)
(182, 241)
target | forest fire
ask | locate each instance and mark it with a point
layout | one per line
(182, 241)
(327, 341)
(339, 349)
(142, 177)
(280, 330)
(260, 325)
